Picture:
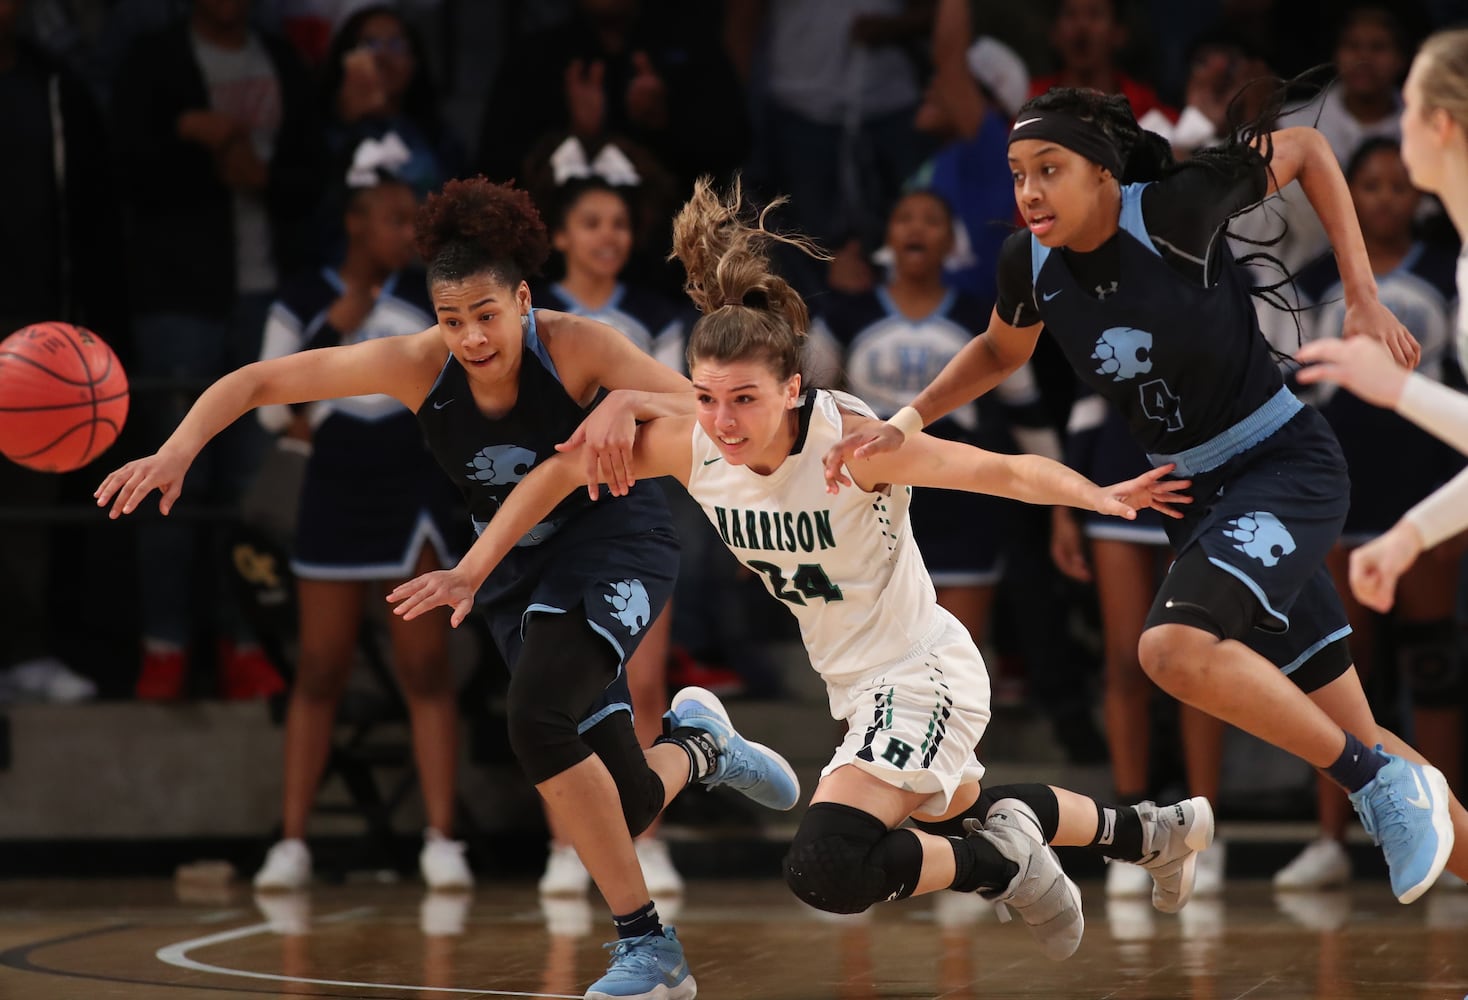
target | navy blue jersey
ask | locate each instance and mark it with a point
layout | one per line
(1182, 361)
(486, 457)
(647, 319)
(1157, 320)
(890, 358)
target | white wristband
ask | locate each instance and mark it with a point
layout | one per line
(908, 421)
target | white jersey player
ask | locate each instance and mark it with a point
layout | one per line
(902, 672)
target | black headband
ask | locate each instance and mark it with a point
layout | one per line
(1075, 134)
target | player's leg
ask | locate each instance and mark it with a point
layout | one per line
(1185, 650)
(564, 874)
(647, 678)
(330, 614)
(849, 854)
(1324, 861)
(421, 662)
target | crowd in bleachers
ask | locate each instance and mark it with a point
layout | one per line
(175, 173)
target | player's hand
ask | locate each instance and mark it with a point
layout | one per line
(440, 588)
(608, 433)
(1379, 564)
(1374, 320)
(873, 439)
(1361, 364)
(163, 472)
(1147, 490)
(1067, 548)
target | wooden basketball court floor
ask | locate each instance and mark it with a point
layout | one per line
(139, 939)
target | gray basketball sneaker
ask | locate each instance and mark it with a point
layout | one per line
(1172, 836)
(1045, 899)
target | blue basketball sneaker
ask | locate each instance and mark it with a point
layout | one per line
(1405, 809)
(651, 967)
(743, 765)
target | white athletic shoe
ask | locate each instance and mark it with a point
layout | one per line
(1172, 837)
(442, 863)
(657, 868)
(287, 867)
(1208, 879)
(565, 875)
(47, 679)
(1124, 881)
(1321, 864)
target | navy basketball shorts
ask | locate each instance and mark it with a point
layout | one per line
(371, 499)
(619, 583)
(960, 536)
(1267, 518)
(1114, 458)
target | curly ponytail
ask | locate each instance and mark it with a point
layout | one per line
(476, 227)
(748, 310)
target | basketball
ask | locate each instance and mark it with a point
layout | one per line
(63, 397)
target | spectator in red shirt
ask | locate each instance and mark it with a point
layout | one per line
(1086, 37)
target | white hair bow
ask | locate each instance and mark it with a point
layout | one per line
(375, 157)
(611, 164)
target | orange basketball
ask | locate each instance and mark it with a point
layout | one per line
(63, 396)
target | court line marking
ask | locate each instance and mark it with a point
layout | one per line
(178, 955)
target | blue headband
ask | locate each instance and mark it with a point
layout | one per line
(1076, 134)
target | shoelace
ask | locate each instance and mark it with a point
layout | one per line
(1387, 816)
(627, 956)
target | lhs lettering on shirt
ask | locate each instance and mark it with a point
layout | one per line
(781, 531)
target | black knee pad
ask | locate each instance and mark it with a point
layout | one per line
(1429, 658)
(843, 860)
(614, 741)
(563, 667)
(1199, 594)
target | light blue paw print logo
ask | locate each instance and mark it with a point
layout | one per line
(1262, 536)
(1124, 352)
(500, 465)
(630, 605)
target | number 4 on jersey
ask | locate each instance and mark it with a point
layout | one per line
(1160, 403)
(810, 581)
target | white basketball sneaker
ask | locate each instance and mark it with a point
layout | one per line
(1323, 863)
(1126, 881)
(565, 875)
(442, 863)
(657, 868)
(287, 867)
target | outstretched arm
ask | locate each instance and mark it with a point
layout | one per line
(951, 465)
(1303, 154)
(402, 367)
(979, 366)
(662, 449)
